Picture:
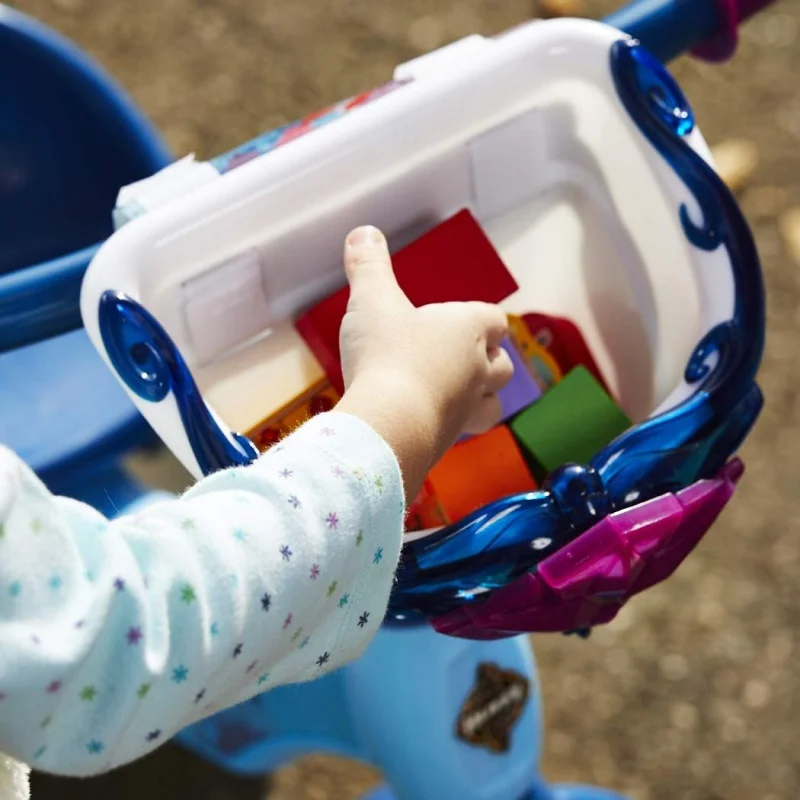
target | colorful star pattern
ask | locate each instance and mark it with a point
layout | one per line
(243, 564)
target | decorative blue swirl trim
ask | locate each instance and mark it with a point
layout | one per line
(151, 366)
(678, 447)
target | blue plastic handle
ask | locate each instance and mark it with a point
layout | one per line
(71, 136)
(668, 28)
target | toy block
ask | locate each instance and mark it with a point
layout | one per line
(426, 511)
(568, 424)
(453, 262)
(479, 470)
(564, 341)
(522, 389)
(257, 382)
(320, 398)
(541, 364)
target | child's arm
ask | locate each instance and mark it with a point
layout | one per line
(114, 635)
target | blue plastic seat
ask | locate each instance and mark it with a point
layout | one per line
(69, 139)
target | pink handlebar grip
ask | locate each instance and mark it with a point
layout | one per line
(722, 45)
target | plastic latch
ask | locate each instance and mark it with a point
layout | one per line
(170, 183)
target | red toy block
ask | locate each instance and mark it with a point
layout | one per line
(564, 341)
(453, 262)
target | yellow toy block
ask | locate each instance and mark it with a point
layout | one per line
(542, 365)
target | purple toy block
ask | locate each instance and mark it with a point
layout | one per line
(520, 392)
(587, 581)
(522, 389)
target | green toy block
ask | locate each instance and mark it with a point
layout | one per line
(569, 423)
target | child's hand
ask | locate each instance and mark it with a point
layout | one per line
(419, 376)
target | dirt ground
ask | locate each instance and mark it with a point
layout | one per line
(693, 693)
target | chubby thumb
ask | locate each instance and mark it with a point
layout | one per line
(369, 267)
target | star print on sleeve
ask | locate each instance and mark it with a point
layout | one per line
(188, 594)
(134, 635)
(180, 674)
(265, 574)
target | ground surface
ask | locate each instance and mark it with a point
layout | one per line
(694, 693)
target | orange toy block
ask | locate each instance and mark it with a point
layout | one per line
(321, 397)
(479, 470)
(544, 368)
(426, 511)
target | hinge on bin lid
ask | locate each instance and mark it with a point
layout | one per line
(447, 57)
(167, 185)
